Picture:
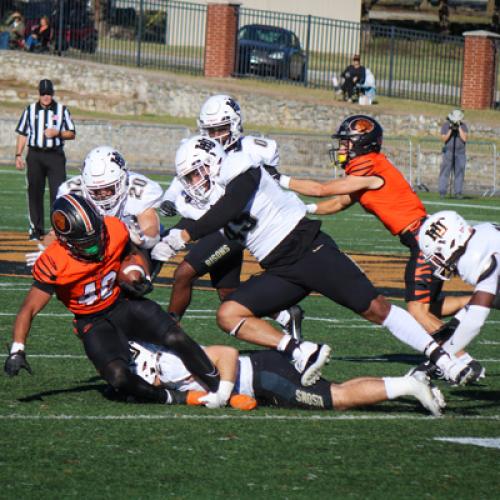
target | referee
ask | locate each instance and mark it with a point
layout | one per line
(43, 127)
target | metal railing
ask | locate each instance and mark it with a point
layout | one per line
(409, 64)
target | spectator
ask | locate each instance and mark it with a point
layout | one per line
(454, 134)
(12, 36)
(40, 36)
(353, 75)
(45, 156)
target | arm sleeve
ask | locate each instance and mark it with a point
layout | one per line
(238, 193)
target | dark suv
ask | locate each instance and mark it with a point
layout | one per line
(270, 51)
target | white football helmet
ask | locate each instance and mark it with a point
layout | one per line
(143, 362)
(442, 239)
(221, 113)
(105, 179)
(197, 162)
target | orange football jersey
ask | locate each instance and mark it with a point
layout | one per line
(84, 287)
(395, 203)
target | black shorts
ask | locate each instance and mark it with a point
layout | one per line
(420, 283)
(323, 268)
(219, 256)
(105, 335)
(277, 383)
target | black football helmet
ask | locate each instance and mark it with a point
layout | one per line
(79, 228)
(360, 134)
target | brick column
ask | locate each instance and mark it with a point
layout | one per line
(220, 39)
(478, 83)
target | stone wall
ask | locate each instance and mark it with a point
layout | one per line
(121, 90)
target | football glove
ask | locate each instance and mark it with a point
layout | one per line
(135, 231)
(174, 239)
(273, 172)
(162, 252)
(138, 288)
(15, 362)
(167, 208)
(31, 257)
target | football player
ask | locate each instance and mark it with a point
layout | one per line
(113, 190)
(297, 258)
(380, 188)
(453, 247)
(220, 118)
(268, 377)
(81, 268)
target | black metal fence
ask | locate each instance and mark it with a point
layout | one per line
(169, 34)
(313, 50)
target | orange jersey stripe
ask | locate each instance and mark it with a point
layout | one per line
(395, 203)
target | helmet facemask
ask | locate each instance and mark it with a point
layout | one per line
(198, 183)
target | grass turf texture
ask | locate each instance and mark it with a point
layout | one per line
(61, 438)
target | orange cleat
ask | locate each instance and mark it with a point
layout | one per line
(193, 398)
(242, 402)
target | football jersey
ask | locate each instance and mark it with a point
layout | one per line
(174, 374)
(266, 150)
(395, 203)
(272, 213)
(84, 287)
(482, 253)
(142, 193)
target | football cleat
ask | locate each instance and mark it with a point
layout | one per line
(478, 371)
(430, 397)
(429, 370)
(242, 402)
(294, 325)
(309, 359)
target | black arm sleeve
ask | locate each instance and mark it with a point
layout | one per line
(238, 193)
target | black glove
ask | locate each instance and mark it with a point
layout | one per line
(273, 172)
(15, 362)
(138, 288)
(167, 208)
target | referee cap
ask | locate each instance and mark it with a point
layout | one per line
(45, 87)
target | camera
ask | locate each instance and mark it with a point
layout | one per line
(454, 126)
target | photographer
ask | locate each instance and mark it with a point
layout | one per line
(454, 134)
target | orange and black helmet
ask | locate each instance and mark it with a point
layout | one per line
(361, 134)
(79, 228)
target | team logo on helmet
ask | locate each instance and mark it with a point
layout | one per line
(61, 222)
(362, 126)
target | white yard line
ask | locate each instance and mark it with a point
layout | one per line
(311, 418)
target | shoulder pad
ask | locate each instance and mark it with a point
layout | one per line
(142, 193)
(263, 147)
(73, 185)
(236, 164)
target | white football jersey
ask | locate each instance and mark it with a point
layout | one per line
(482, 248)
(266, 150)
(142, 193)
(174, 375)
(271, 213)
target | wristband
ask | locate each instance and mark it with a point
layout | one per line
(16, 346)
(19, 154)
(311, 208)
(285, 181)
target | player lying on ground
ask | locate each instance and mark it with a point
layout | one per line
(297, 258)
(269, 377)
(453, 247)
(220, 118)
(81, 268)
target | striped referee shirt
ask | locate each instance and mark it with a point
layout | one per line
(35, 119)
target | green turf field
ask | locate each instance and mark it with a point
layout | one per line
(60, 438)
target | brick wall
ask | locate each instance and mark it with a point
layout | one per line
(220, 41)
(479, 70)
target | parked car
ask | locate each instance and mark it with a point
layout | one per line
(270, 51)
